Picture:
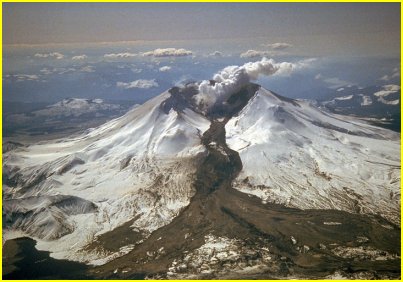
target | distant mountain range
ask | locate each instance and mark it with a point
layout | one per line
(67, 116)
(378, 104)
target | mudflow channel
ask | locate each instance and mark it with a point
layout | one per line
(299, 243)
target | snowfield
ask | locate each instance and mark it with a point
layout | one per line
(295, 154)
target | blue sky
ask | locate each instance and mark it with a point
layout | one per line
(58, 50)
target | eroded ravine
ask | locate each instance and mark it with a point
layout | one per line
(301, 243)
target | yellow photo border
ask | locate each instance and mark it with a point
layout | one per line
(4, 2)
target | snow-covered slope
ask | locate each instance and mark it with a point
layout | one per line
(137, 167)
(295, 154)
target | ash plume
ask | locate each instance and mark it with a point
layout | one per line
(232, 78)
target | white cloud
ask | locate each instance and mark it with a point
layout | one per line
(395, 73)
(136, 70)
(254, 54)
(119, 55)
(183, 80)
(318, 76)
(276, 49)
(305, 63)
(385, 78)
(65, 70)
(79, 57)
(258, 53)
(87, 69)
(46, 71)
(56, 55)
(334, 82)
(26, 77)
(231, 78)
(278, 46)
(216, 54)
(165, 68)
(168, 52)
(140, 83)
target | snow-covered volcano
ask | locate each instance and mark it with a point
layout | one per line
(139, 166)
(295, 154)
(139, 170)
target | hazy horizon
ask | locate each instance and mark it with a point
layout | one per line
(339, 44)
(324, 28)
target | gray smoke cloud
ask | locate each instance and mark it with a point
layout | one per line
(232, 78)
